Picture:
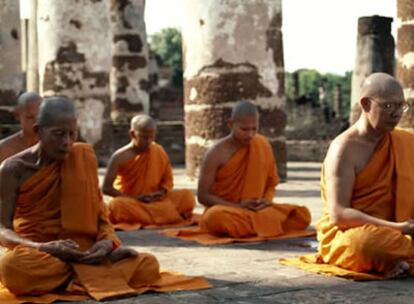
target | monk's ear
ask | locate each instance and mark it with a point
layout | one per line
(131, 134)
(36, 129)
(16, 114)
(365, 103)
(230, 123)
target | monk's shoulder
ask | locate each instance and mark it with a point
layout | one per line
(122, 155)
(159, 149)
(342, 147)
(85, 149)
(403, 135)
(17, 164)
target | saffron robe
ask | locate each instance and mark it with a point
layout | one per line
(383, 189)
(249, 174)
(63, 201)
(146, 173)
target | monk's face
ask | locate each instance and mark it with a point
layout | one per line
(385, 112)
(143, 137)
(244, 128)
(57, 138)
(27, 117)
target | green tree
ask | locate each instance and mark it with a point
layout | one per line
(310, 80)
(167, 45)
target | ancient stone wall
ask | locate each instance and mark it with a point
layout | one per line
(129, 74)
(11, 75)
(232, 51)
(405, 63)
(375, 53)
(75, 61)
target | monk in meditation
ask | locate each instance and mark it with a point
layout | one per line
(59, 242)
(25, 112)
(366, 186)
(140, 179)
(237, 184)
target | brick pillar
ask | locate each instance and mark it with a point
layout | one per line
(129, 74)
(375, 53)
(232, 51)
(405, 62)
(75, 61)
(11, 74)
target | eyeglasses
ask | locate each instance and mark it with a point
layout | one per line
(390, 107)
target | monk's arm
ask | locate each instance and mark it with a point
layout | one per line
(340, 177)
(208, 172)
(167, 178)
(111, 172)
(9, 183)
(272, 180)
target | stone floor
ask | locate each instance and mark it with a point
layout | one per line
(249, 273)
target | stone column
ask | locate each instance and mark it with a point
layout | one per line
(11, 75)
(129, 74)
(75, 61)
(405, 63)
(32, 74)
(232, 51)
(375, 53)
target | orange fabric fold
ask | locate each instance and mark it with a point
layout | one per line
(249, 174)
(381, 189)
(62, 201)
(146, 173)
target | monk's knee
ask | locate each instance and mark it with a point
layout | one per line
(370, 247)
(147, 271)
(21, 271)
(227, 221)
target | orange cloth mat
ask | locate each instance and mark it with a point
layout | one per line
(384, 190)
(249, 174)
(63, 201)
(146, 173)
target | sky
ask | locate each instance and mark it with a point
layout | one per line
(317, 34)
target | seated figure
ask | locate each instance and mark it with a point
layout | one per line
(139, 177)
(25, 112)
(59, 242)
(237, 184)
(366, 184)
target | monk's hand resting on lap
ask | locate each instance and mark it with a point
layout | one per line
(407, 227)
(152, 197)
(145, 198)
(254, 204)
(66, 250)
(121, 253)
(158, 194)
(99, 251)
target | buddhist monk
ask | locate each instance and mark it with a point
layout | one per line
(140, 179)
(367, 182)
(237, 184)
(54, 225)
(25, 112)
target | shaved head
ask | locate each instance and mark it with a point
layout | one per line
(243, 109)
(27, 98)
(381, 85)
(52, 108)
(142, 121)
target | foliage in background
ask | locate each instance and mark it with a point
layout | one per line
(309, 82)
(167, 45)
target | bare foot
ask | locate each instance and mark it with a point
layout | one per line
(122, 253)
(399, 270)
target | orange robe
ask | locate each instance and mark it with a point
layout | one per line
(249, 174)
(382, 189)
(146, 173)
(63, 201)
